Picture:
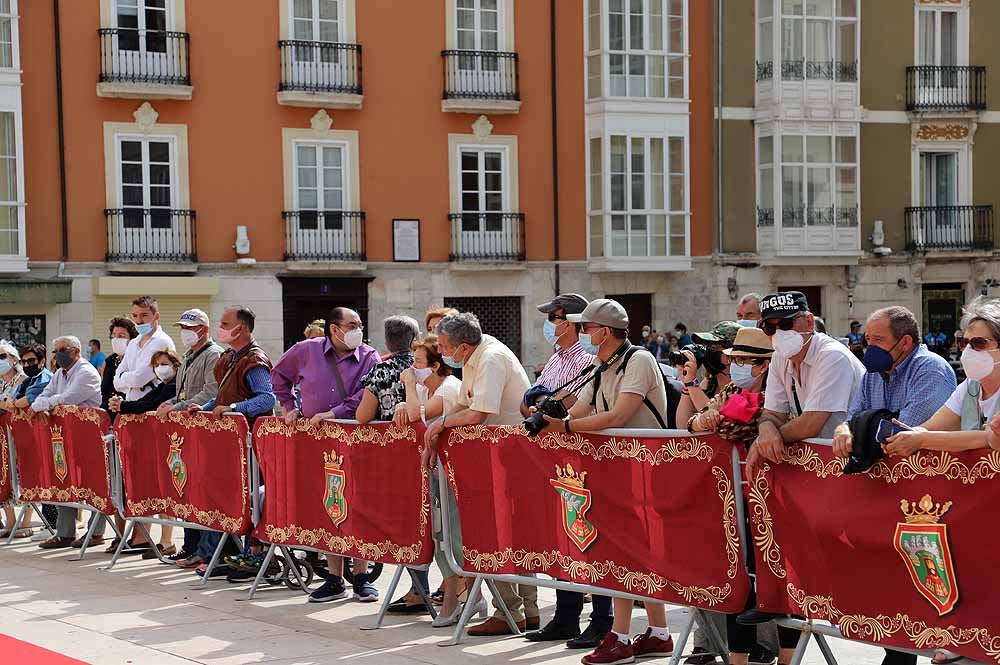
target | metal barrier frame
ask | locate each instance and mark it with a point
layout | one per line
(15, 484)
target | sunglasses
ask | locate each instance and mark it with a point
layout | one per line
(977, 343)
(962, 342)
(29, 362)
(556, 317)
(783, 324)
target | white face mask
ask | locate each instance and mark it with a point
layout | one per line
(353, 338)
(189, 337)
(977, 364)
(118, 345)
(787, 343)
(164, 372)
(422, 373)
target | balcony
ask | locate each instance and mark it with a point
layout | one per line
(330, 235)
(809, 233)
(946, 89)
(151, 235)
(481, 82)
(944, 228)
(144, 64)
(487, 237)
(320, 74)
(827, 88)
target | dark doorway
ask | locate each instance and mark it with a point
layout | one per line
(499, 316)
(639, 307)
(942, 305)
(813, 294)
(305, 299)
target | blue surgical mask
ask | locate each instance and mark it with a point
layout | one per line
(747, 323)
(549, 331)
(587, 343)
(144, 328)
(877, 359)
(4, 367)
(742, 375)
(451, 362)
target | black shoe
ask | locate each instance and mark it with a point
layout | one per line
(179, 556)
(553, 632)
(761, 656)
(753, 616)
(218, 571)
(242, 575)
(589, 638)
(701, 656)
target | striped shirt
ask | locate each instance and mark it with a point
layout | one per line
(564, 366)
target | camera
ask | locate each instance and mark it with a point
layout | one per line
(551, 407)
(678, 358)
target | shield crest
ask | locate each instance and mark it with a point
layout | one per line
(334, 500)
(175, 462)
(574, 501)
(59, 454)
(922, 542)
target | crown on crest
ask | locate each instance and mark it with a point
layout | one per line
(570, 476)
(332, 462)
(176, 441)
(57, 432)
(924, 512)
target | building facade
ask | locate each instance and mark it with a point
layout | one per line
(381, 155)
(854, 147)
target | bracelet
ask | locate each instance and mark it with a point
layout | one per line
(566, 426)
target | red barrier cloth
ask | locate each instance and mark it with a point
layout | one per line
(6, 480)
(871, 554)
(192, 467)
(354, 490)
(64, 458)
(649, 516)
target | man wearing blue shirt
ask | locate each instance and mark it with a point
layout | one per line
(903, 375)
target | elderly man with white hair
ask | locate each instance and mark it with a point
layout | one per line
(75, 383)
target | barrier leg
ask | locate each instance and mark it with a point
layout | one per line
(94, 521)
(215, 560)
(503, 606)
(717, 641)
(474, 595)
(824, 647)
(129, 524)
(262, 571)
(425, 595)
(18, 519)
(800, 648)
(293, 567)
(682, 638)
(390, 592)
(152, 543)
(51, 528)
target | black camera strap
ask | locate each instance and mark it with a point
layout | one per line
(625, 353)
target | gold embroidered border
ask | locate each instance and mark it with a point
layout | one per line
(4, 456)
(763, 523)
(71, 494)
(358, 434)
(185, 511)
(861, 627)
(199, 420)
(923, 464)
(642, 583)
(329, 542)
(84, 413)
(725, 488)
(628, 448)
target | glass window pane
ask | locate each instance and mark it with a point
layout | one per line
(594, 26)
(332, 156)
(657, 81)
(637, 76)
(765, 8)
(791, 187)
(792, 7)
(594, 76)
(656, 25)
(131, 151)
(818, 149)
(596, 235)
(132, 174)
(846, 41)
(847, 187)
(306, 155)
(819, 41)
(791, 40)
(493, 161)
(470, 161)
(307, 177)
(656, 174)
(791, 149)
(470, 181)
(6, 44)
(618, 150)
(766, 150)
(596, 177)
(819, 188)
(307, 199)
(616, 25)
(636, 26)
(159, 174)
(333, 178)
(847, 149)
(617, 76)
(766, 198)
(638, 163)
(765, 42)
(819, 7)
(847, 8)
(159, 152)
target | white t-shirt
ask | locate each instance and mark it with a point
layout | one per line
(448, 391)
(135, 376)
(988, 407)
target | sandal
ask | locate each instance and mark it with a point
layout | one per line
(23, 533)
(946, 657)
(113, 547)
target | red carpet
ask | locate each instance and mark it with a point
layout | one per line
(16, 651)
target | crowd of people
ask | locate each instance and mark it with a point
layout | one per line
(765, 379)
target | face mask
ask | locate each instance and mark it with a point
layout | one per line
(4, 367)
(587, 342)
(189, 337)
(977, 364)
(549, 332)
(659, 340)
(747, 323)
(118, 345)
(64, 359)
(33, 370)
(451, 362)
(144, 328)
(742, 375)
(353, 338)
(877, 359)
(787, 343)
(422, 373)
(164, 372)
(226, 336)
(645, 334)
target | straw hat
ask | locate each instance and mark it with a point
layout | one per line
(750, 343)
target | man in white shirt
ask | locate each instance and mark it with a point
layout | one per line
(135, 376)
(75, 383)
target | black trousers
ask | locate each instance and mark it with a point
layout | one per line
(569, 607)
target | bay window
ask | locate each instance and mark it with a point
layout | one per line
(816, 39)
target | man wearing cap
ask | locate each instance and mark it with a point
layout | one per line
(196, 384)
(629, 393)
(813, 379)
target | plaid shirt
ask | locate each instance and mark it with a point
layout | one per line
(564, 366)
(917, 388)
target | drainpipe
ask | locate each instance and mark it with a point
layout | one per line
(62, 137)
(555, 141)
(718, 128)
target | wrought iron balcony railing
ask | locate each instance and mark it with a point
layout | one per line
(137, 235)
(320, 67)
(954, 89)
(487, 236)
(481, 75)
(949, 228)
(324, 235)
(144, 56)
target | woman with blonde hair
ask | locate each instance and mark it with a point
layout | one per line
(315, 328)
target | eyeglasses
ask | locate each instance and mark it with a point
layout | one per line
(783, 324)
(962, 342)
(29, 362)
(553, 317)
(979, 343)
(4, 356)
(743, 361)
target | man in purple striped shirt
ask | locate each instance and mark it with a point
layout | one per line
(328, 372)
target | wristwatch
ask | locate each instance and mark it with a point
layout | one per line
(566, 425)
(232, 407)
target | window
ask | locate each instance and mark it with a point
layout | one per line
(10, 240)
(818, 38)
(7, 18)
(939, 179)
(818, 179)
(478, 25)
(645, 50)
(482, 194)
(147, 182)
(765, 185)
(316, 20)
(142, 25)
(499, 316)
(320, 185)
(645, 214)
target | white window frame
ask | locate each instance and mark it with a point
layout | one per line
(18, 204)
(834, 20)
(505, 167)
(833, 166)
(505, 25)
(964, 170)
(175, 186)
(170, 11)
(341, 21)
(962, 8)
(346, 168)
(15, 49)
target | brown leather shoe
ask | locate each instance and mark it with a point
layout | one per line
(494, 626)
(96, 540)
(56, 543)
(164, 551)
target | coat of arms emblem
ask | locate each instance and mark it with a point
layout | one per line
(922, 541)
(178, 469)
(575, 501)
(59, 454)
(334, 500)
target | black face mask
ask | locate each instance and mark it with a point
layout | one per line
(713, 361)
(32, 370)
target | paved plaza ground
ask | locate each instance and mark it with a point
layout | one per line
(146, 613)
